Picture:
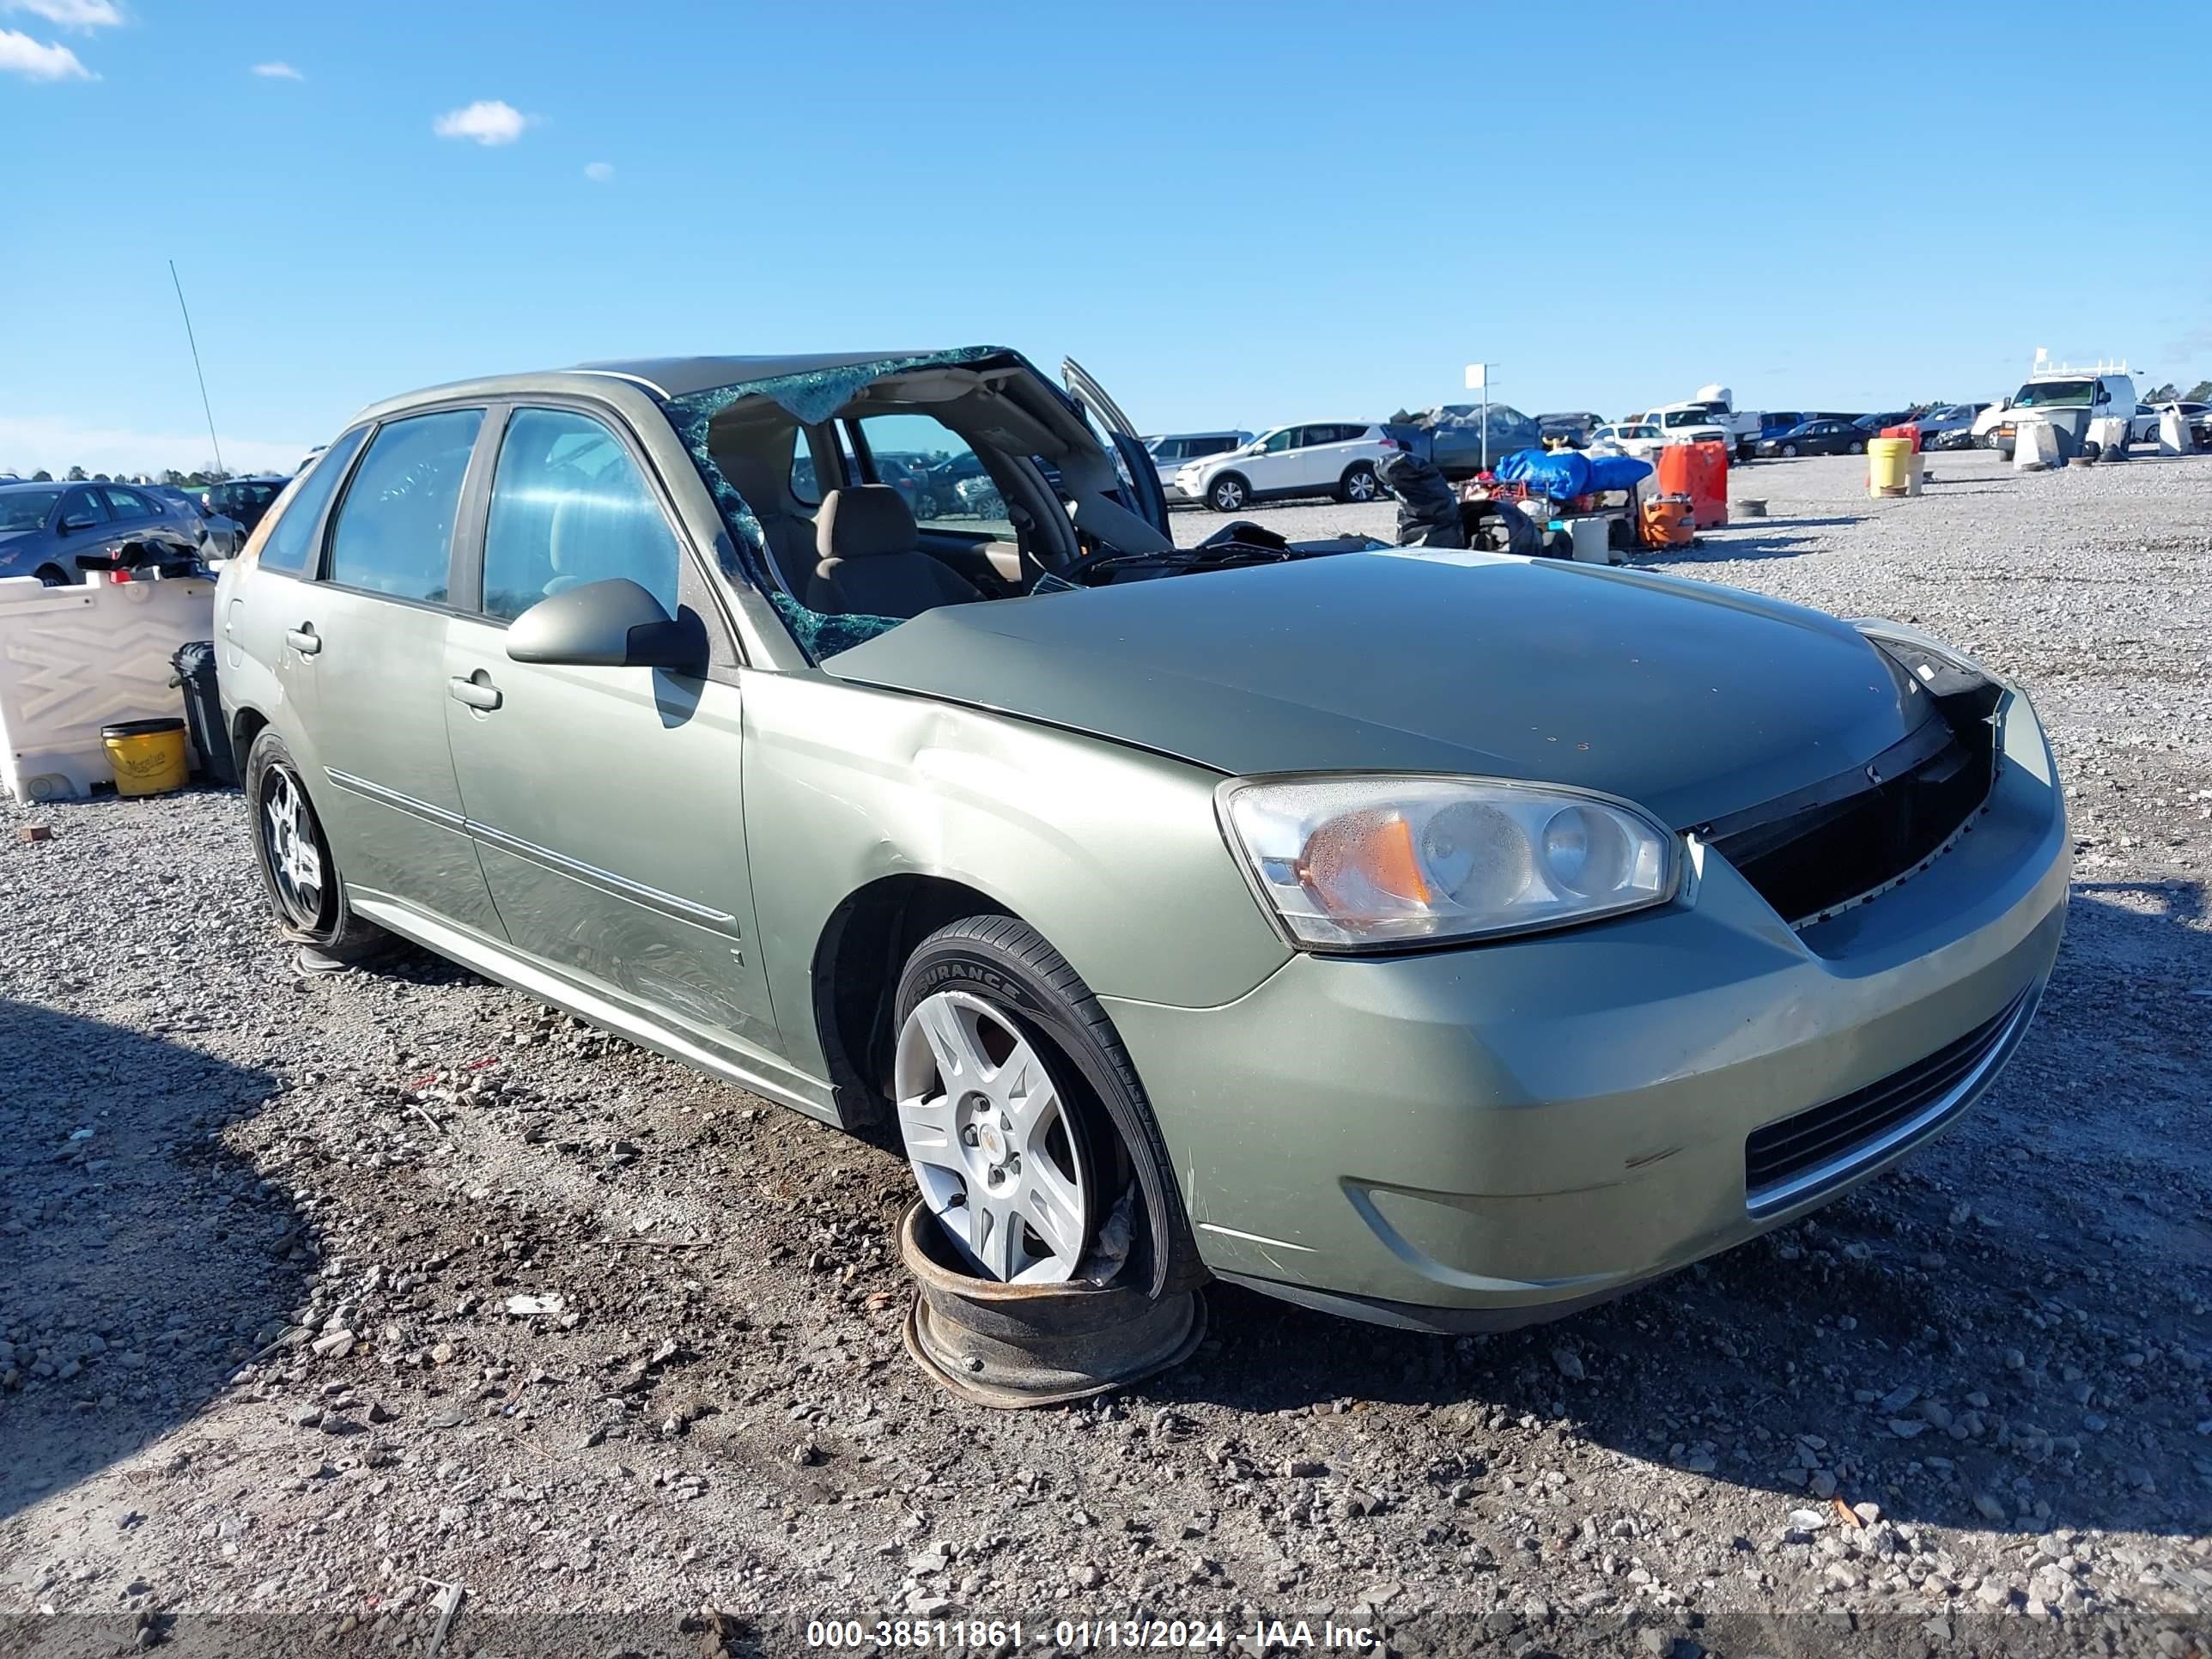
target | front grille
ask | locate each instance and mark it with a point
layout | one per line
(1787, 1161)
(1863, 832)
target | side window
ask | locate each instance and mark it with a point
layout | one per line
(128, 504)
(569, 507)
(291, 542)
(1211, 445)
(938, 474)
(1281, 440)
(395, 528)
(84, 504)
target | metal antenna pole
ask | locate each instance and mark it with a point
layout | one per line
(204, 407)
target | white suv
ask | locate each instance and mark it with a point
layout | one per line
(1321, 458)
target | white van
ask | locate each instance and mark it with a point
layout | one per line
(2070, 398)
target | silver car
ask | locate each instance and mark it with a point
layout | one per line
(1443, 939)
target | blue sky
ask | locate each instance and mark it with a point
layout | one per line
(1234, 215)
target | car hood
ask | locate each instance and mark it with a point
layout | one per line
(1694, 701)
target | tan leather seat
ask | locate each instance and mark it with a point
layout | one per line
(871, 564)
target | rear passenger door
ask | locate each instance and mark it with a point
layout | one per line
(368, 638)
(606, 803)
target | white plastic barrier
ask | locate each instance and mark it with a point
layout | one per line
(2173, 435)
(2110, 434)
(72, 659)
(2035, 445)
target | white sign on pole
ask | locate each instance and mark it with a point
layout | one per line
(1477, 375)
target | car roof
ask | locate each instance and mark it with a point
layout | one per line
(33, 484)
(664, 377)
(678, 376)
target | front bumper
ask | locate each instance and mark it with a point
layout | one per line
(1487, 1136)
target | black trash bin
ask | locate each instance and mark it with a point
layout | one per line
(194, 664)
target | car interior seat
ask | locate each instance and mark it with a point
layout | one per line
(870, 562)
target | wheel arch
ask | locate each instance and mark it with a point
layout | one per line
(863, 946)
(245, 726)
(1228, 472)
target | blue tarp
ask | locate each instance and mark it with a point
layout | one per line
(1617, 471)
(1563, 474)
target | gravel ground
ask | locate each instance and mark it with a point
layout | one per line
(260, 1389)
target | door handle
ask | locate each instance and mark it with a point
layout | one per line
(303, 639)
(477, 694)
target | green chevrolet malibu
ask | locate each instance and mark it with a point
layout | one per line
(1443, 938)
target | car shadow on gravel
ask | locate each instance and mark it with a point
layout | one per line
(2008, 1332)
(141, 1260)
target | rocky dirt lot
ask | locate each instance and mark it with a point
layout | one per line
(265, 1384)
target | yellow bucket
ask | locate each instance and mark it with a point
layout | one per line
(149, 756)
(1889, 466)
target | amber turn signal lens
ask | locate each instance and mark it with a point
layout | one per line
(1369, 851)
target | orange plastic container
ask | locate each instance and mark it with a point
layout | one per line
(1699, 471)
(1908, 429)
(1669, 522)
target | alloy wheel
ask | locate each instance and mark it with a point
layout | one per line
(1229, 495)
(994, 1146)
(1360, 487)
(288, 842)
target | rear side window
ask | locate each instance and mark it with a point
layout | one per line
(291, 543)
(395, 529)
(1211, 445)
(129, 504)
(569, 506)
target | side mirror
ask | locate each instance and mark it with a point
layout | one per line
(608, 624)
(74, 523)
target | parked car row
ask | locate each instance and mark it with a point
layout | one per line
(1229, 471)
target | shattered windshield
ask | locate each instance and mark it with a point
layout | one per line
(858, 497)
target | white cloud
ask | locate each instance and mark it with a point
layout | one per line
(21, 55)
(277, 72)
(54, 444)
(598, 172)
(70, 14)
(488, 121)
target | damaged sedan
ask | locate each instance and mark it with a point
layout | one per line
(1445, 938)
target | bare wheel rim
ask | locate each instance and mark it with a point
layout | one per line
(288, 841)
(993, 1145)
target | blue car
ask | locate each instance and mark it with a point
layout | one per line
(46, 528)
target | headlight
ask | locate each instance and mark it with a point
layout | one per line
(1369, 862)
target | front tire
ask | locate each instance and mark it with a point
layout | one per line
(1228, 494)
(1358, 486)
(293, 854)
(1858, 446)
(52, 575)
(1021, 1115)
(1789, 450)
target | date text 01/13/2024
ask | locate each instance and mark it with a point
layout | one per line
(1081, 1634)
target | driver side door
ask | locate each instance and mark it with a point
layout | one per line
(1275, 467)
(604, 802)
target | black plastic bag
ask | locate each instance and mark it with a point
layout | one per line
(1428, 511)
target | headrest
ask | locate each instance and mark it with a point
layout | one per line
(864, 523)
